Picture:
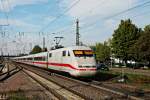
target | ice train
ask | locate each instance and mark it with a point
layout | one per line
(75, 60)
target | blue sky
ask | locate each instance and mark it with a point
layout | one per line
(97, 20)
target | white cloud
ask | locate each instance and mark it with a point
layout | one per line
(91, 10)
(111, 23)
(7, 5)
(96, 7)
(19, 24)
(93, 13)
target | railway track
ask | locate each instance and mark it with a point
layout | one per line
(6, 75)
(134, 94)
(86, 90)
(58, 91)
(101, 86)
(9, 73)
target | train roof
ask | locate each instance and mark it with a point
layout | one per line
(72, 48)
(57, 50)
(79, 48)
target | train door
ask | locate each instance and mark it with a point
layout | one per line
(69, 58)
(58, 60)
(66, 58)
(47, 60)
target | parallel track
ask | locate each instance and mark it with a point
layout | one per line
(105, 91)
(61, 93)
(9, 73)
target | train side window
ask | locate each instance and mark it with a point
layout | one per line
(64, 53)
(50, 54)
(35, 58)
(68, 53)
(44, 58)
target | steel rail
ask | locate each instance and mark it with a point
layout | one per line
(96, 86)
(49, 89)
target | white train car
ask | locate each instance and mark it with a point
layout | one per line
(77, 60)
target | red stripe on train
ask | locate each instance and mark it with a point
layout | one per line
(65, 65)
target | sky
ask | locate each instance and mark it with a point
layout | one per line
(24, 23)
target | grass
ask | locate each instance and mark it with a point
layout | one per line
(138, 78)
(141, 81)
(145, 86)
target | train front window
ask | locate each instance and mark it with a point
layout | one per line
(83, 53)
(50, 54)
(64, 53)
(78, 53)
(88, 53)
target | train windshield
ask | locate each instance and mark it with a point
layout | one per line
(83, 53)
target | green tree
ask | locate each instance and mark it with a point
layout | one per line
(124, 38)
(102, 51)
(142, 46)
(93, 48)
(36, 49)
(134, 52)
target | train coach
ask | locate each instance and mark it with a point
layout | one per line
(76, 60)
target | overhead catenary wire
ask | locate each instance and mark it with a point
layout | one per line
(127, 10)
(9, 9)
(12, 22)
(90, 11)
(4, 32)
(141, 14)
(3, 7)
(114, 15)
(117, 14)
(66, 30)
(59, 16)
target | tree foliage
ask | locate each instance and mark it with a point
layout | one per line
(36, 49)
(93, 48)
(142, 46)
(102, 51)
(124, 37)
